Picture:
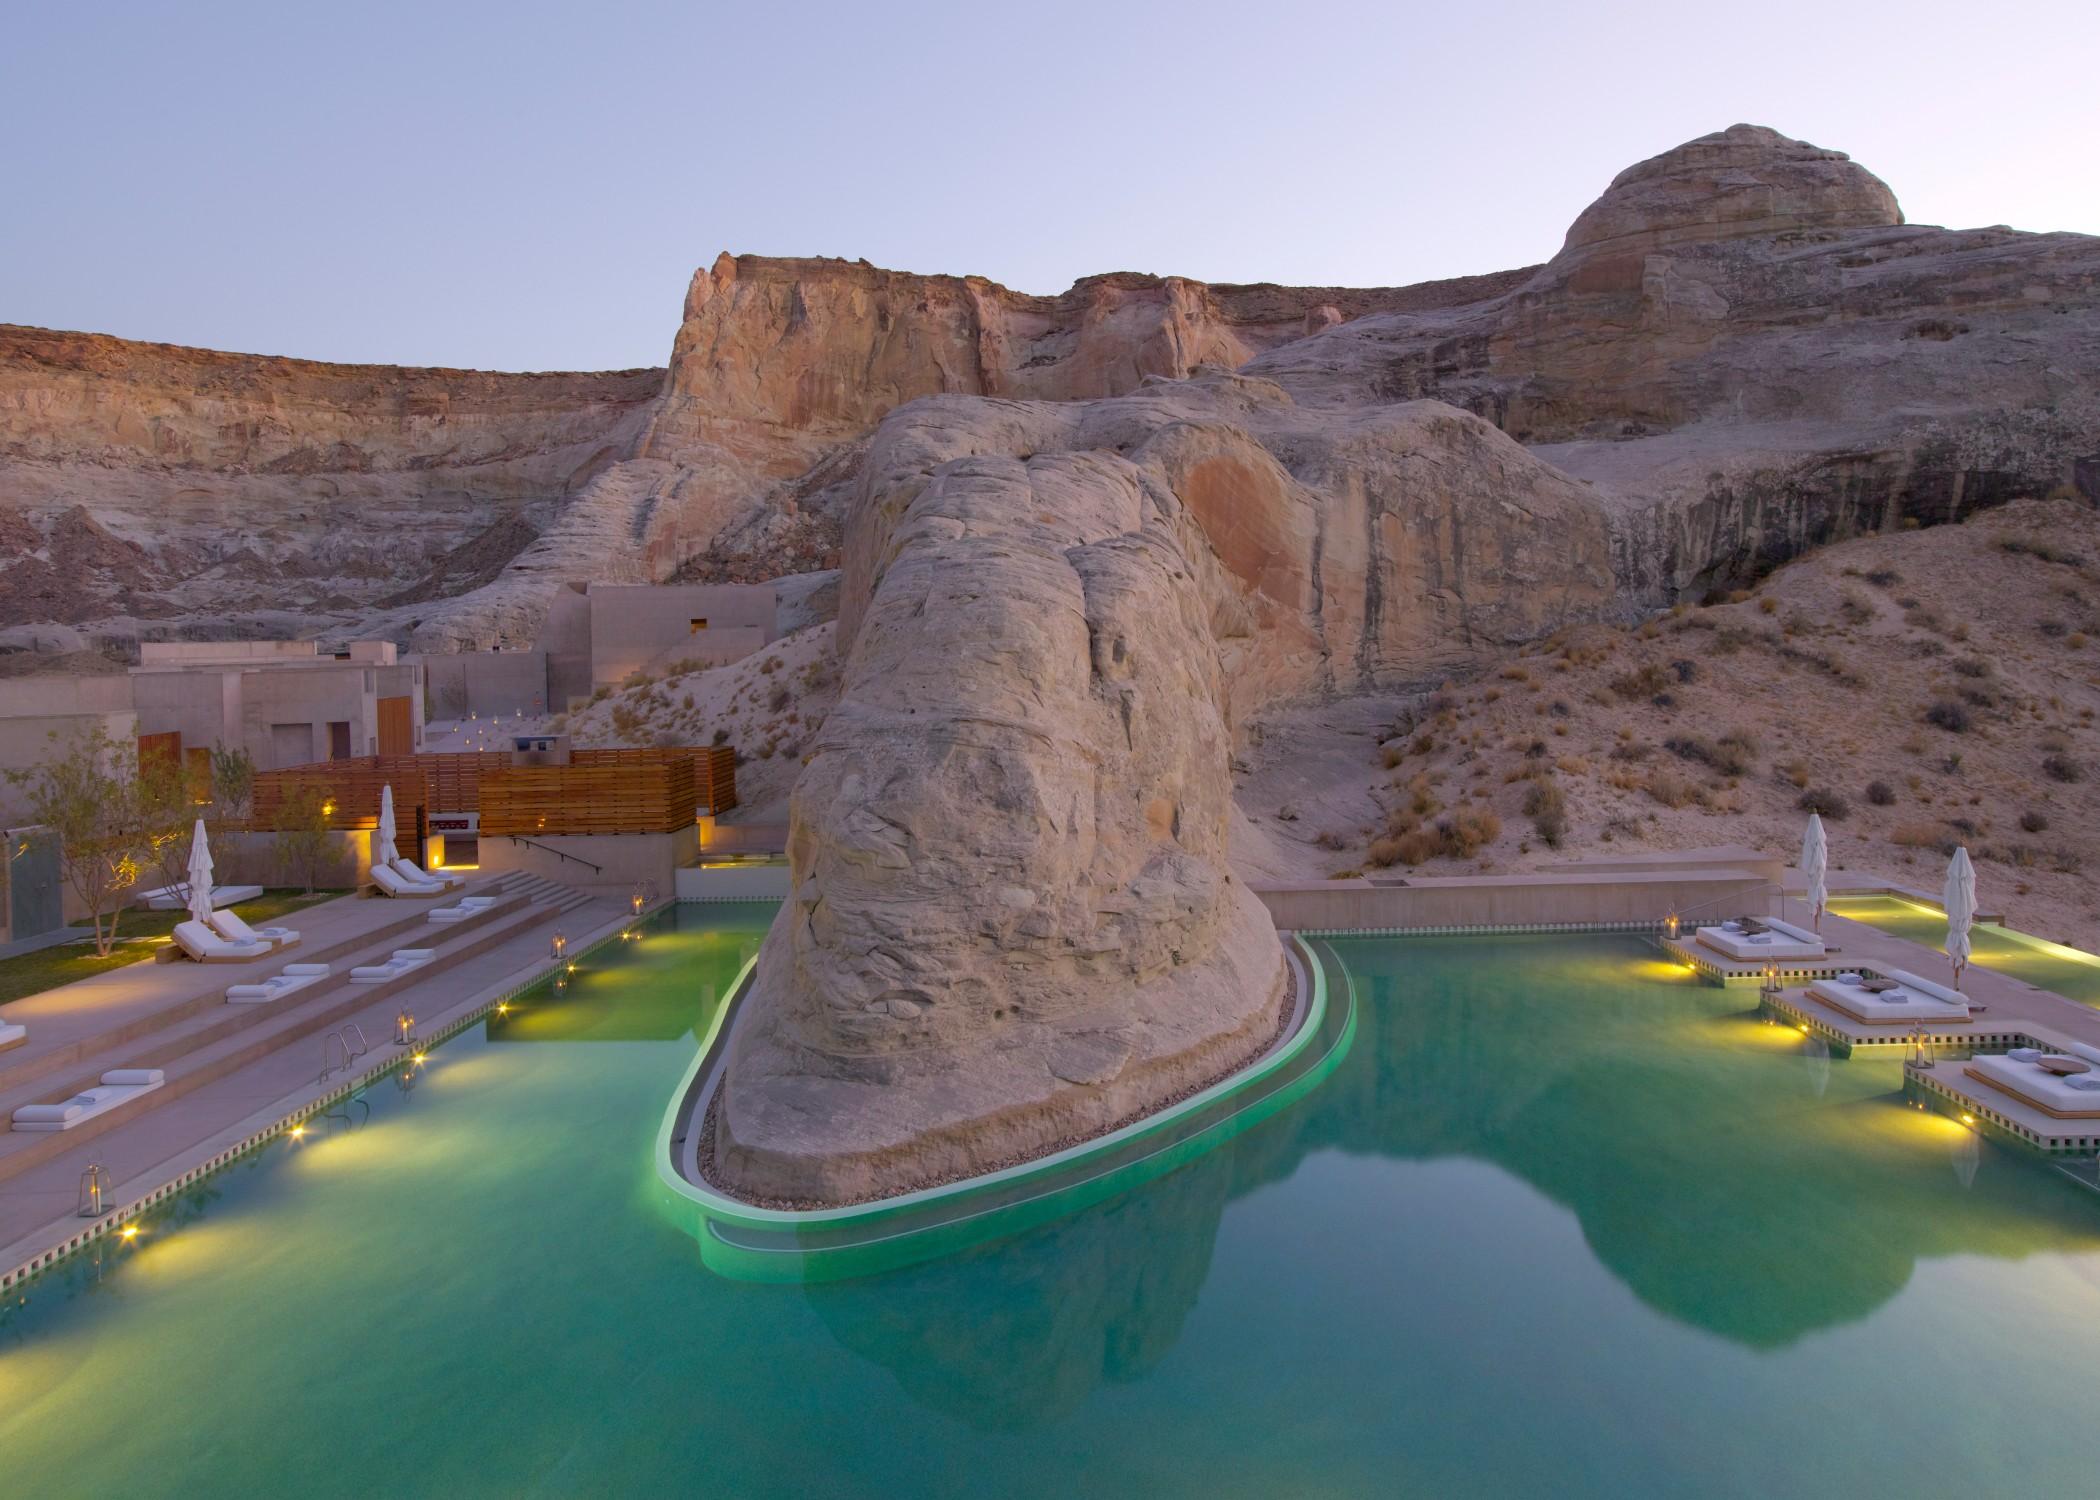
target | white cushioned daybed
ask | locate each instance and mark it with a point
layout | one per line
(118, 1086)
(277, 986)
(464, 908)
(235, 929)
(201, 943)
(2020, 1074)
(408, 869)
(1781, 940)
(1913, 1000)
(402, 961)
(393, 883)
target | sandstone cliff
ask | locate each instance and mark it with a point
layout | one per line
(160, 481)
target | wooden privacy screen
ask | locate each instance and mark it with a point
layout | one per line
(352, 788)
(397, 727)
(453, 781)
(714, 768)
(657, 797)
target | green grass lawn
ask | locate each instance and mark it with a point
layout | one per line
(138, 934)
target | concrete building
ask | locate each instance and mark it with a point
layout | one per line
(288, 703)
(598, 635)
(35, 709)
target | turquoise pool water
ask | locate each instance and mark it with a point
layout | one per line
(2034, 960)
(1563, 1222)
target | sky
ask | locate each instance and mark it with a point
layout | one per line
(529, 186)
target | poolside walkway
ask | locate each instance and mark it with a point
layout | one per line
(160, 1144)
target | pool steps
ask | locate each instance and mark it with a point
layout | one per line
(205, 1042)
(57, 1247)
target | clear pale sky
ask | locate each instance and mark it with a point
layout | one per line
(527, 186)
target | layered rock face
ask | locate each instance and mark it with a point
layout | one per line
(161, 481)
(1744, 351)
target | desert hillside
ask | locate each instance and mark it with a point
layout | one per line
(1922, 688)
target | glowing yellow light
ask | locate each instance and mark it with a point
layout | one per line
(298, 1132)
(1802, 1029)
(503, 1010)
(418, 1058)
(1968, 1119)
(572, 968)
(130, 1231)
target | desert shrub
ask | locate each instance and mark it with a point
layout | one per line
(2054, 629)
(1794, 772)
(1822, 800)
(2054, 739)
(1332, 840)
(1649, 681)
(1547, 807)
(1768, 605)
(1686, 669)
(2033, 821)
(1468, 830)
(1393, 755)
(1925, 617)
(1673, 790)
(721, 737)
(1880, 793)
(781, 697)
(1632, 750)
(1883, 578)
(2075, 640)
(1515, 672)
(2063, 768)
(1855, 609)
(1733, 754)
(2041, 547)
(1949, 715)
(1971, 666)
(1425, 744)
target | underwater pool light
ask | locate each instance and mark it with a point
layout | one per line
(129, 1231)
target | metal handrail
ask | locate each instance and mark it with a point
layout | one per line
(328, 1053)
(519, 838)
(363, 1046)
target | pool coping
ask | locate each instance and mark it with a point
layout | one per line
(57, 1240)
(702, 1077)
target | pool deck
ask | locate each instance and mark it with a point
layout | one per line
(275, 1074)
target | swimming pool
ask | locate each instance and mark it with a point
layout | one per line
(2037, 961)
(1563, 1221)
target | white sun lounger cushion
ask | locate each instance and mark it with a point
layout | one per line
(2085, 1052)
(408, 869)
(118, 1086)
(233, 927)
(1749, 948)
(199, 941)
(11, 1033)
(394, 883)
(1904, 1003)
(2075, 1095)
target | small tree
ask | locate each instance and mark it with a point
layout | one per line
(167, 812)
(232, 784)
(302, 832)
(89, 793)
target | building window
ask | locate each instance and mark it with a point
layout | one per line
(696, 626)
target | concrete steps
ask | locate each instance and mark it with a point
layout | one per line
(206, 1044)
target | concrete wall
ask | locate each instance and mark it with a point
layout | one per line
(34, 709)
(566, 638)
(632, 625)
(235, 705)
(739, 882)
(240, 858)
(488, 683)
(1514, 900)
(623, 858)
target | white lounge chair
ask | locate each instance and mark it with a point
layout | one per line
(12, 1035)
(118, 1086)
(207, 947)
(462, 909)
(1780, 940)
(235, 929)
(394, 883)
(1913, 999)
(277, 986)
(400, 963)
(409, 869)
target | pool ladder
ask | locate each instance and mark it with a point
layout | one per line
(350, 1037)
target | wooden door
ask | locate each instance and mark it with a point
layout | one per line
(397, 727)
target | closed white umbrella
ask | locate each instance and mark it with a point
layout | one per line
(1958, 896)
(383, 838)
(1815, 864)
(200, 874)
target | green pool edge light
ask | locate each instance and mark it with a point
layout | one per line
(742, 1242)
